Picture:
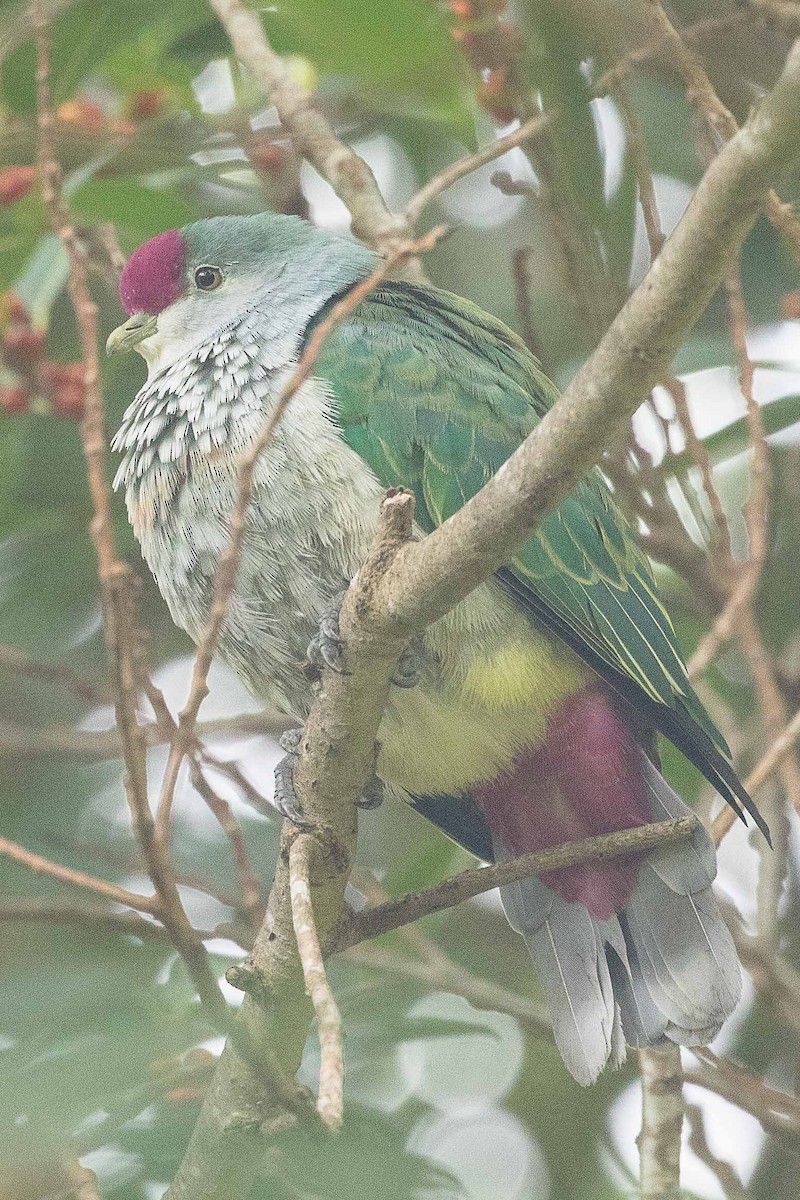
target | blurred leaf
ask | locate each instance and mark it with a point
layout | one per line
(556, 74)
(619, 224)
(82, 37)
(392, 44)
(137, 207)
(733, 439)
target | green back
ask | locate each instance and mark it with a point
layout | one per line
(435, 395)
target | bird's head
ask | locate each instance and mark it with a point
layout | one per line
(186, 286)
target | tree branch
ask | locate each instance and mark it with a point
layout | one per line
(662, 1123)
(372, 922)
(99, 744)
(313, 137)
(331, 1073)
(115, 577)
(44, 866)
(431, 576)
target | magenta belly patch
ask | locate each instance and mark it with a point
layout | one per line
(584, 780)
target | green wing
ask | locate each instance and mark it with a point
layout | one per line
(434, 395)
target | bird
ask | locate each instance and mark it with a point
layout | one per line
(526, 717)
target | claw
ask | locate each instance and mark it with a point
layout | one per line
(373, 794)
(325, 647)
(411, 665)
(285, 797)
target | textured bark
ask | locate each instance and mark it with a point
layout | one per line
(662, 1124)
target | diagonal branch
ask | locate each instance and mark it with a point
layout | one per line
(45, 866)
(313, 137)
(394, 913)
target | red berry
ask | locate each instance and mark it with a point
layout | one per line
(64, 384)
(462, 9)
(198, 1059)
(23, 346)
(147, 103)
(266, 155)
(13, 310)
(83, 113)
(14, 399)
(54, 374)
(15, 182)
(185, 1095)
(124, 126)
(68, 401)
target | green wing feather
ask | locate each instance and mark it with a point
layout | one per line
(435, 394)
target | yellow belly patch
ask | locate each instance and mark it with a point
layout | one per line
(447, 739)
(531, 674)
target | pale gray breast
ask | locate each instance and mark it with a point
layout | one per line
(313, 510)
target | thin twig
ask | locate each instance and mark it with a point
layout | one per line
(721, 539)
(724, 1173)
(471, 162)
(100, 744)
(783, 744)
(698, 31)
(521, 272)
(637, 148)
(329, 1021)
(253, 900)
(116, 581)
(747, 577)
(778, 1112)
(662, 1123)
(700, 93)
(414, 905)
(44, 866)
(313, 137)
(16, 660)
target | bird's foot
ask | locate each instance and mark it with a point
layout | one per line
(409, 669)
(325, 647)
(373, 794)
(285, 796)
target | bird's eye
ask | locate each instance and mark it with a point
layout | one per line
(207, 278)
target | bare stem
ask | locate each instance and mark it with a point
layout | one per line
(414, 905)
(329, 1022)
(662, 1123)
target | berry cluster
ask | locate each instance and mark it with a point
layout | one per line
(58, 387)
(86, 115)
(493, 47)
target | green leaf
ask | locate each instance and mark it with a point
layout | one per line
(83, 36)
(392, 44)
(142, 209)
(733, 439)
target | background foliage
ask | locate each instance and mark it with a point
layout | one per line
(103, 1048)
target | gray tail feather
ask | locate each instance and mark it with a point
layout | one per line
(664, 970)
